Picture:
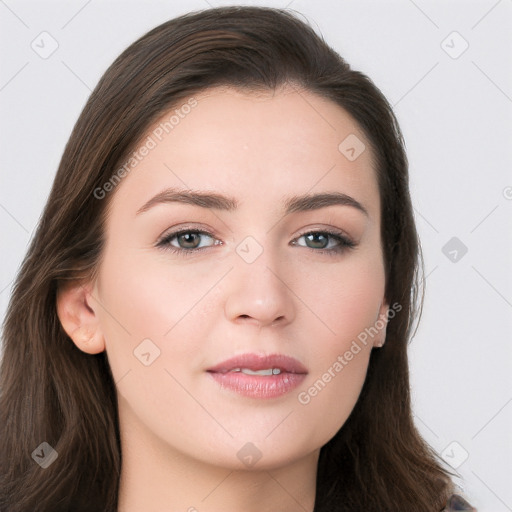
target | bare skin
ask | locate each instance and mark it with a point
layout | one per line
(303, 296)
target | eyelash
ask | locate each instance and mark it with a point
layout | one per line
(344, 243)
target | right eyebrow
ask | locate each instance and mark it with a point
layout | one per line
(202, 199)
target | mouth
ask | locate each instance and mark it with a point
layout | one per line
(259, 376)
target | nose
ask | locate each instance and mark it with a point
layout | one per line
(258, 294)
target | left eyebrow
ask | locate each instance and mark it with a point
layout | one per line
(220, 202)
(317, 201)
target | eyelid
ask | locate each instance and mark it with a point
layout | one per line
(328, 231)
(185, 228)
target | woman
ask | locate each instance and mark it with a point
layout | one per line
(215, 309)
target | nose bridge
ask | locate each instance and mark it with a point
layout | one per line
(257, 290)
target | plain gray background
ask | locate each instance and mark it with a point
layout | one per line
(446, 67)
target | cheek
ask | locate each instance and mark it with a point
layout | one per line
(332, 393)
(346, 303)
(147, 299)
(346, 300)
(148, 296)
(340, 362)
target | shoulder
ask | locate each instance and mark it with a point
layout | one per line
(457, 502)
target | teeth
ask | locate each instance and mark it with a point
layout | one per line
(257, 372)
(269, 371)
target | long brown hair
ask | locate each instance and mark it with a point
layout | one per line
(52, 392)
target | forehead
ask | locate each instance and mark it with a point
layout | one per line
(254, 145)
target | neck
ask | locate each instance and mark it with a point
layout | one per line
(158, 478)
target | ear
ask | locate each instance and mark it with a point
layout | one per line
(381, 323)
(79, 319)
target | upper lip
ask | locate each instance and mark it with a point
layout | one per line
(257, 362)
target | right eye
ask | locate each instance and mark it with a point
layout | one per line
(187, 240)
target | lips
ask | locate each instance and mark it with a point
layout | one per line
(259, 376)
(255, 362)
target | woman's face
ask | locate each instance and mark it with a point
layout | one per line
(212, 272)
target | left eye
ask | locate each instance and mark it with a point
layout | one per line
(323, 240)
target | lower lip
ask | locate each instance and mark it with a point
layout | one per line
(259, 386)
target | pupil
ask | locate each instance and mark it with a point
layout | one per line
(318, 241)
(189, 240)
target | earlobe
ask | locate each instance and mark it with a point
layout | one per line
(79, 319)
(381, 324)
